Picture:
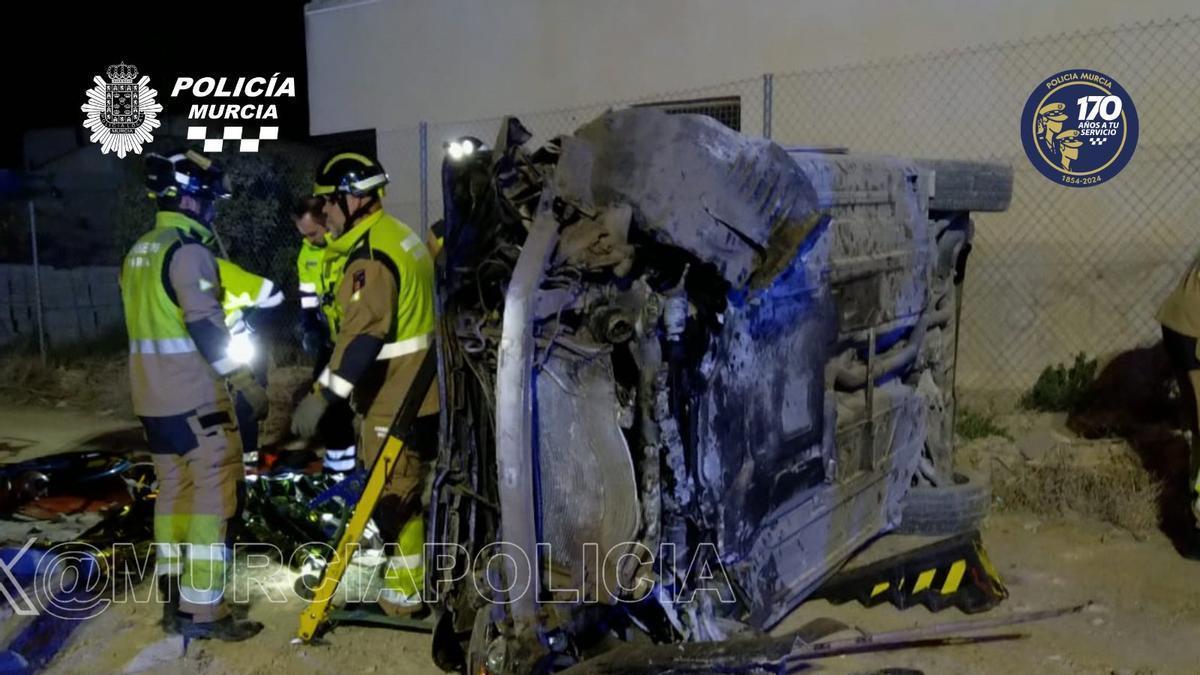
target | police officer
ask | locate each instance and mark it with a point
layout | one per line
(181, 380)
(317, 270)
(385, 296)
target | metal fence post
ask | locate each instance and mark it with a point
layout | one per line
(37, 282)
(424, 169)
(768, 95)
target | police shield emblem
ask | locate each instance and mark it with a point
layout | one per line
(121, 113)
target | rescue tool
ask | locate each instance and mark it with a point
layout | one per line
(318, 611)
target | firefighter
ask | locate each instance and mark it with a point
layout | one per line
(315, 325)
(317, 270)
(1180, 319)
(245, 296)
(385, 296)
(181, 381)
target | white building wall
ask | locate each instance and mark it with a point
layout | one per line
(1064, 270)
(387, 64)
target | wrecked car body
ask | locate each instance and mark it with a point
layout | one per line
(687, 373)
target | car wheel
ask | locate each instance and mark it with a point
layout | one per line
(947, 509)
(482, 634)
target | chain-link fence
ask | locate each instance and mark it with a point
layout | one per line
(400, 151)
(51, 295)
(1063, 270)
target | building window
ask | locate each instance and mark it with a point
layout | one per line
(725, 109)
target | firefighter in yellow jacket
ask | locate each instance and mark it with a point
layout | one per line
(317, 271)
(1180, 319)
(316, 277)
(246, 296)
(181, 381)
(385, 296)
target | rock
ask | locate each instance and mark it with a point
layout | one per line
(1035, 445)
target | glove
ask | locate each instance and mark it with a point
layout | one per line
(242, 381)
(308, 414)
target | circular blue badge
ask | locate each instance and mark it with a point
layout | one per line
(1079, 128)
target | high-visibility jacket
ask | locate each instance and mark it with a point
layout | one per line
(169, 288)
(243, 289)
(317, 271)
(386, 294)
(308, 273)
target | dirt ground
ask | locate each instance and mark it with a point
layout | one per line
(127, 638)
(1144, 617)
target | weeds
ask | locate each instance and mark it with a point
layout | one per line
(972, 425)
(1122, 493)
(1062, 389)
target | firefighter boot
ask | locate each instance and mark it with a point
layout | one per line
(226, 629)
(168, 595)
(404, 573)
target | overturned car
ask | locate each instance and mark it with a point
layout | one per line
(686, 374)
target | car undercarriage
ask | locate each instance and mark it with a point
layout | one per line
(686, 374)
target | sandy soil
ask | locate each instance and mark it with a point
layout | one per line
(27, 432)
(1145, 616)
(127, 638)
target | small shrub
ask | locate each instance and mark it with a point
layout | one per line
(972, 425)
(1062, 389)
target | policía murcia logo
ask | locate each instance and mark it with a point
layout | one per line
(249, 102)
(121, 113)
(1079, 128)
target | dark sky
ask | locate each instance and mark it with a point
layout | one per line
(52, 53)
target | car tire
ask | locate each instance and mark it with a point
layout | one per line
(946, 510)
(482, 633)
(960, 185)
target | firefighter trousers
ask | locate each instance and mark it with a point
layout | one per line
(399, 514)
(198, 461)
